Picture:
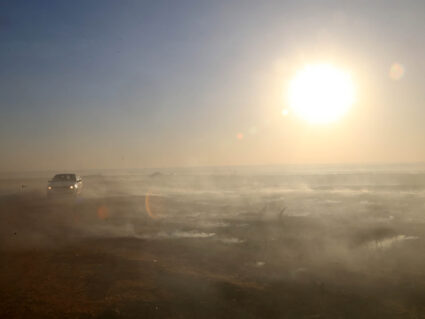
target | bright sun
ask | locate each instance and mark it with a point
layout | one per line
(321, 93)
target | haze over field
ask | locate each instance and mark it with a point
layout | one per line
(332, 242)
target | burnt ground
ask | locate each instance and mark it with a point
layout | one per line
(109, 257)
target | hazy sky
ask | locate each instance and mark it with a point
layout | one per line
(128, 84)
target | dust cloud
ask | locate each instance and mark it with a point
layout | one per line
(235, 242)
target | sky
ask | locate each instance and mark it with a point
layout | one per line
(133, 84)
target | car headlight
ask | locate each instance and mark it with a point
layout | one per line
(49, 187)
(71, 187)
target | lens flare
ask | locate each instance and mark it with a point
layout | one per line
(396, 71)
(147, 205)
(102, 212)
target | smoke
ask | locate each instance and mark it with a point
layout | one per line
(346, 232)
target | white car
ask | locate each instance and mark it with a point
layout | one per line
(65, 184)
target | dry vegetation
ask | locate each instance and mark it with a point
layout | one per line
(326, 255)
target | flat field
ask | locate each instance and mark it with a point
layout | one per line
(215, 246)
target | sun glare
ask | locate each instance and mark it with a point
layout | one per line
(321, 93)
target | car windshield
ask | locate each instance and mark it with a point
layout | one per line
(64, 177)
